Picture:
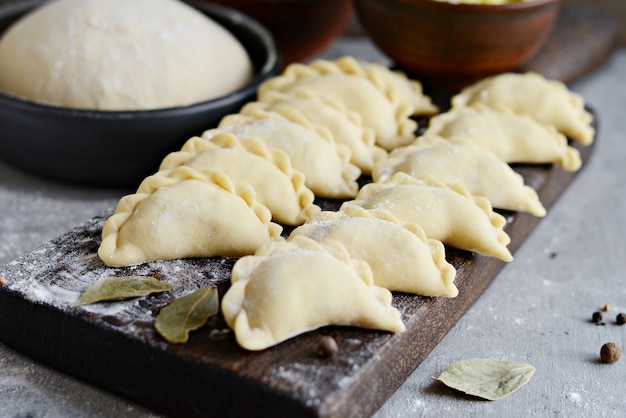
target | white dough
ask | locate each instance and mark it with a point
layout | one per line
(120, 55)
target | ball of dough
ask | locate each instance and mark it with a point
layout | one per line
(120, 55)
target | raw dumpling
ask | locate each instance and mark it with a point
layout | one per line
(289, 288)
(276, 184)
(345, 126)
(399, 254)
(478, 170)
(445, 213)
(334, 82)
(325, 164)
(546, 101)
(398, 87)
(186, 214)
(512, 137)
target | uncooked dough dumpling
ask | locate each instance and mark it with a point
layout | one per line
(186, 214)
(379, 103)
(400, 255)
(325, 164)
(346, 126)
(512, 137)
(276, 183)
(289, 288)
(478, 170)
(449, 214)
(120, 55)
(546, 101)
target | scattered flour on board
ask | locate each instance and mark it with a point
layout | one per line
(575, 397)
(57, 273)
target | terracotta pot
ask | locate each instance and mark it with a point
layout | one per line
(457, 43)
(302, 28)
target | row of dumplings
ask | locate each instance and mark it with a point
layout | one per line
(315, 130)
(438, 189)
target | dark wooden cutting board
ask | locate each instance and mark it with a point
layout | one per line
(115, 346)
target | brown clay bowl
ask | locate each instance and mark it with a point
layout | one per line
(445, 43)
(302, 28)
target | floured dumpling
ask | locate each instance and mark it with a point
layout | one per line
(289, 288)
(345, 126)
(445, 213)
(337, 82)
(399, 254)
(396, 85)
(512, 137)
(325, 164)
(186, 214)
(478, 170)
(546, 101)
(276, 184)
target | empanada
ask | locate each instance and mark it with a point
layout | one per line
(325, 164)
(513, 137)
(345, 82)
(478, 170)
(276, 183)
(345, 126)
(400, 255)
(448, 213)
(289, 288)
(186, 214)
(546, 101)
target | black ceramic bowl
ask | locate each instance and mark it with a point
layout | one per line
(119, 148)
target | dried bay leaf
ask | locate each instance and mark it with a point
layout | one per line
(490, 379)
(187, 313)
(118, 288)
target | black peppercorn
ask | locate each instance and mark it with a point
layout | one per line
(620, 319)
(596, 317)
